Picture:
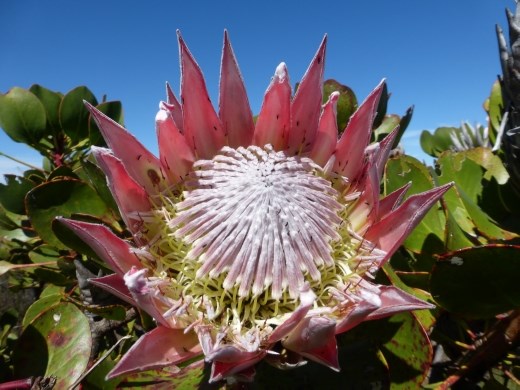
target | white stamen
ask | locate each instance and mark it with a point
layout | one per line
(262, 217)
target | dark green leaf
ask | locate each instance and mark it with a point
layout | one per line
(22, 116)
(381, 107)
(478, 282)
(74, 117)
(347, 102)
(12, 194)
(62, 198)
(56, 343)
(39, 306)
(408, 353)
(400, 171)
(51, 102)
(98, 180)
(62, 172)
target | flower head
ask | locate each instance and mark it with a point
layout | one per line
(251, 239)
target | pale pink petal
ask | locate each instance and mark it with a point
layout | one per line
(144, 295)
(365, 211)
(306, 105)
(350, 150)
(392, 201)
(114, 251)
(315, 339)
(307, 298)
(132, 199)
(175, 108)
(327, 135)
(142, 165)
(202, 127)
(385, 147)
(234, 110)
(356, 315)
(160, 347)
(175, 154)
(392, 230)
(394, 300)
(243, 361)
(115, 285)
(272, 125)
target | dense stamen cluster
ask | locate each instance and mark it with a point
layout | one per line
(264, 219)
(251, 227)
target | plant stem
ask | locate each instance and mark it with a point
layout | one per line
(21, 162)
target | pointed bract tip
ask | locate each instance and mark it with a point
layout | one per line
(89, 106)
(281, 72)
(162, 115)
(333, 98)
(323, 42)
(100, 151)
(169, 89)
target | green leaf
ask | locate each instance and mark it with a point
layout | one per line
(22, 116)
(51, 102)
(62, 172)
(387, 125)
(39, 307)
(347, 102)
(13, 192)
(438, 142)
(405, 169)
(462, 200)
(74, 117)
(43, 254)
(111, 312)
(98, 180)
(425, 317)
(409, 352)
(456, 238)
(478, 282)
(113, 110)
(490, 162)
(6, 266)
(62, 198)
(495, 108)
(56, 343)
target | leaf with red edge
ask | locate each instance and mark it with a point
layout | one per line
(62, 198)
(57, 343)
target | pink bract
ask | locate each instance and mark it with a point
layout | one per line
(251, 238)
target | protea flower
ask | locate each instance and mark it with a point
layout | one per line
(251, 240)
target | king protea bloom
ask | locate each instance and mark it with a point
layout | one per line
(251, 240)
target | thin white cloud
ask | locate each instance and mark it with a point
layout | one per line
(8, 166)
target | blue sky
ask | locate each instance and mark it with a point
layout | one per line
(439, 55)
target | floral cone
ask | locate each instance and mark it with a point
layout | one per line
(251, 239)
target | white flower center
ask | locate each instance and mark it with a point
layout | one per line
(263, 218)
